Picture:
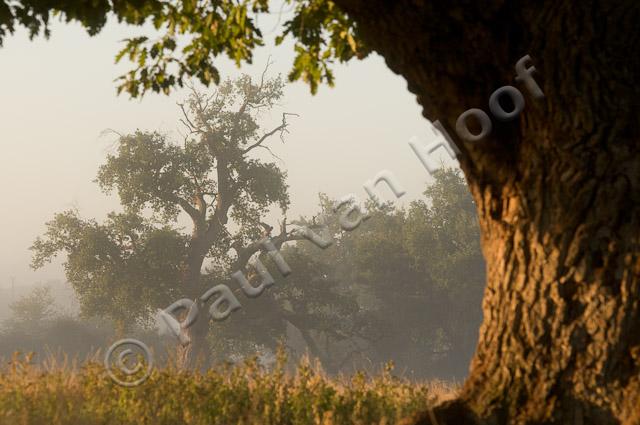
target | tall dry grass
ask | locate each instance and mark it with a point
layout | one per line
(64, 392)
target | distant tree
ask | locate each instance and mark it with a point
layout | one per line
(30, 312)
(37, 324)
(129, 266)
(417, 277)
(442, 238)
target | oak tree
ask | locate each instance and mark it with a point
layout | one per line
(140, 260)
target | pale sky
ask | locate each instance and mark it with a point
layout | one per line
(59, 95)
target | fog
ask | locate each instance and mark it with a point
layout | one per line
(59, 96)
(61, 117)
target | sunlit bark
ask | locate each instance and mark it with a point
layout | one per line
(557, 192)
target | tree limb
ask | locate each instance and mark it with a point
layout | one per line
(281, 128)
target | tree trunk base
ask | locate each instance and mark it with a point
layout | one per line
(457, 412)
(450, 412)
(557, 191)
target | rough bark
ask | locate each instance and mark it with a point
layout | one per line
(201, 240)
(197, 353)
(557, 192)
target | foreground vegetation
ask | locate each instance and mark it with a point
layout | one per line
(63, 394)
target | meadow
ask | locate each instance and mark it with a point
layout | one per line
(54, 392)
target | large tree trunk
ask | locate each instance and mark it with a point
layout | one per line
(196, 352)
(557, 193)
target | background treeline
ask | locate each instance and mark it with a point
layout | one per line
(406, 285)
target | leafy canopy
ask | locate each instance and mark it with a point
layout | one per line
(419, 275)
(122, 269)
(190, 34)
(140, 260)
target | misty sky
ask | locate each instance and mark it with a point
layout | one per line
(58, 96)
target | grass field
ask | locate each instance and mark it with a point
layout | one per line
(53, 393)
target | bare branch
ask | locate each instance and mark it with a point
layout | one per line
(187, 122)
(271, 152)
(264, 72)
(108, 131)
(281, 128)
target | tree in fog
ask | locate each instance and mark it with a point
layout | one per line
(442, 238)
(132, 264)
(36, 324)
(417, 275)
(404, 285)
(32, 311)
